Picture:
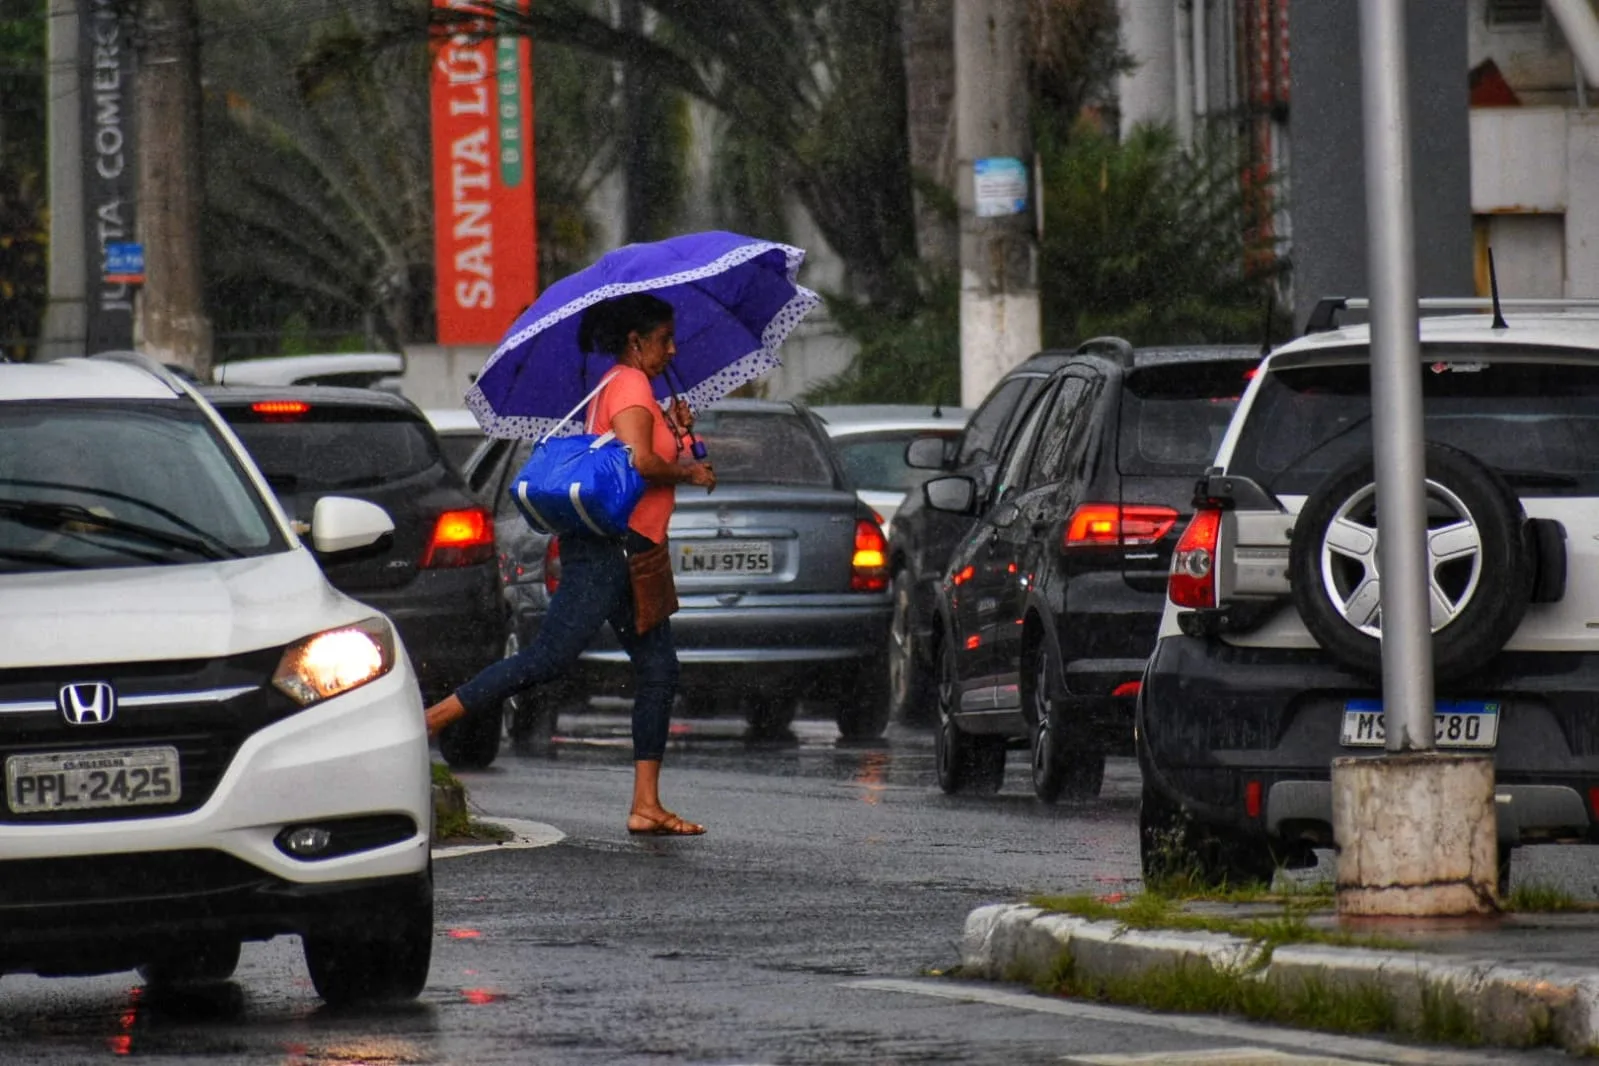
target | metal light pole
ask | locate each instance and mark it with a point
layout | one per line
(1396, 423)
(1415, 828)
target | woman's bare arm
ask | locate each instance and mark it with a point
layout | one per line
(633, 427)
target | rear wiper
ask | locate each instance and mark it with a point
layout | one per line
(52, 516)
(1537, 479)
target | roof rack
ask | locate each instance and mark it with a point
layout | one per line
(1324, 316)
(1116, 348)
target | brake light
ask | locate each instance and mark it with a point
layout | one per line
(1193, 570)
(460, 538)
(552, 566)
(1109, 525)
(280, 410)
(869, 568)
(1127, 688)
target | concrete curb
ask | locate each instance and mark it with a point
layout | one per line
(1509, 1004)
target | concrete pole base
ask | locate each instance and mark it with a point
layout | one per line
(1416, 835)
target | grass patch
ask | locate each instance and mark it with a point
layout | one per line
(443, 776)
(1545, 899)
(456, 825)
(1148, 910)
(1196, 987)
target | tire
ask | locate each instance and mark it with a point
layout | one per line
(1062, 768)
(771, 718)
(912, 682)
(348, 969)
(1481, 589)
(1173, 848)
(864, 715)
(964, 763)
(208, 962)
(531, 717)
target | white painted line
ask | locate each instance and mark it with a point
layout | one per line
(528, 835)
(1193, 1024)
(1227, 1056)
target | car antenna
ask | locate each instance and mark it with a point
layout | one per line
(1265, 332)
(938, 408)
(1493, 287)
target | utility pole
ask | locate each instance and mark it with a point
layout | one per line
(993, 145)
(64, 315)
(173, 325)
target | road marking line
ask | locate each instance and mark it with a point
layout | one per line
(528, 835)
(1196, 1025)
(1230, 1056)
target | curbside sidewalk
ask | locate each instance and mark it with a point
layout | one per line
(1509, 1004)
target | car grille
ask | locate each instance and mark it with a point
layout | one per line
(205, 709)
(98, 878)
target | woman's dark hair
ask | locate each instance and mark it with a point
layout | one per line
(605, 326)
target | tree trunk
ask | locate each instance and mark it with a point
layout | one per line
(928, 28)
(173, 323)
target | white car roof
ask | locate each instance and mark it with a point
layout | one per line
(453, 420)
(290, 369)
(80, 379)
(850, 419)
(1577, 331)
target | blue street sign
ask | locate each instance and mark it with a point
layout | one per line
(124, 262)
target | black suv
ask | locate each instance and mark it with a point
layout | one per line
(1051, 602)
(921, 538)
(438, 580)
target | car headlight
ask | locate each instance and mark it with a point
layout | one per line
(335, 661)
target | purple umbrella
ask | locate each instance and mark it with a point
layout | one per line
(735, 299)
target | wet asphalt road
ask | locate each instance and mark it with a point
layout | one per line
(808, 926)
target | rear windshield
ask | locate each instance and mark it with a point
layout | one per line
(1173, 417)
(773, 448)
(331, 448)
(877, 460)
(1537, 423)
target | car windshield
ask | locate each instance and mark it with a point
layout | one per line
(1174, 416)
(765, 447)
(1537, 423)
(99, 485)
(877, 460)
(326, 448)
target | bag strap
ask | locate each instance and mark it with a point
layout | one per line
(606, 380)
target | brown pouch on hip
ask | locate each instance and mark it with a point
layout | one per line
(654, 591)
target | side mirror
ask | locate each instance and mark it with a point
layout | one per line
(956, 495)
(927, 453)
(340, 524)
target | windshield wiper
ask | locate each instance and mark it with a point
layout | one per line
(52, 516)
(55, 559)
(1537, 479)
(221, 547)
(1324, 442)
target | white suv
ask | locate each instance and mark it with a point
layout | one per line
(203, 742)
(1268, 663)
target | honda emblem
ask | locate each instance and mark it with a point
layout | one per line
(87, 703)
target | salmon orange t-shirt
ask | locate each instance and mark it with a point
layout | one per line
(629, 387)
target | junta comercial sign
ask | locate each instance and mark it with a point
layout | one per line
(485, 242)
(110, 180)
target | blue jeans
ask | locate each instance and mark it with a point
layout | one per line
(594, 589)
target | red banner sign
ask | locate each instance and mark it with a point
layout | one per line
(485, 248)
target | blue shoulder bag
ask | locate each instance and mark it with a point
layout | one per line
(579, 484)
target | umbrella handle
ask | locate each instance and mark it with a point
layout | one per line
(696, 446)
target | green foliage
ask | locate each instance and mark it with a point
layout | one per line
(24, 228)
(909, 353)
(1545, 899)
(1152, 243)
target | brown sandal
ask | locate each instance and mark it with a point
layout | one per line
(670, 826)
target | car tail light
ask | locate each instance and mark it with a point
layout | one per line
(1127, 688)
(1110, 525)
(552, 566)
(1253, 794)
(460, 538)
(281, 410)
(1193, 564)
(869, 568)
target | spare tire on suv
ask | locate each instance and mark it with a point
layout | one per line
(1481, 562)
